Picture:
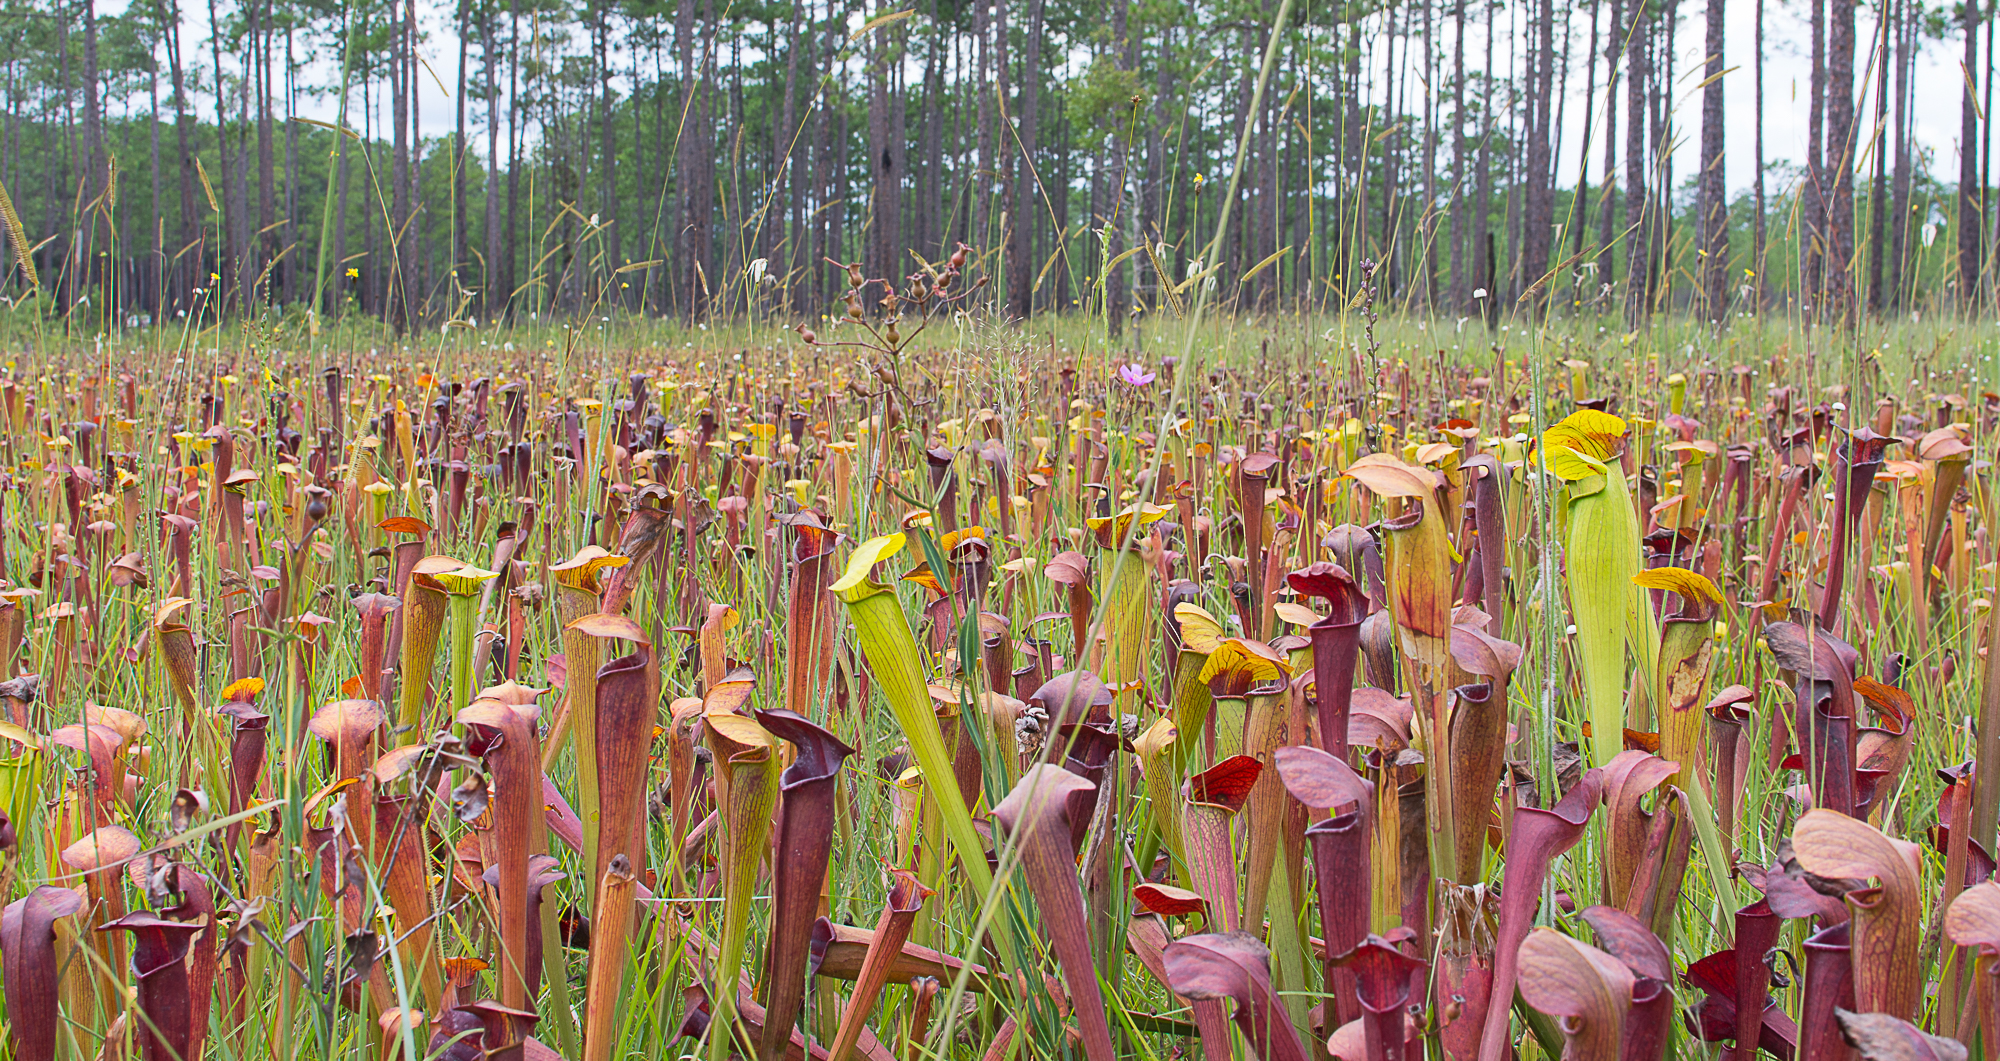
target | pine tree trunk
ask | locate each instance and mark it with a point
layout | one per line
(1607, 196)
(1459, 291)
(885, 162)
(1878, 190)
(786, 151)
(1899, 229)
(1812, 282)
(1761, 287)
(1579, 221)
(267, 182)
(1636, 77)
(1843, 145)
(155, 276)
(1483, 295)
(506, 271)
(612, 231)
(289, 267)
(1714, 194)
(1971, 208)
(492, 297)
(693, 241)
(1540, 216)
(1023, 263)
(986, 165)
(1117, 285)
(400, 91)
(930, 173)
(460, 266)
(184, 130)
(94, 159)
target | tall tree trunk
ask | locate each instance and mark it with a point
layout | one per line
(375, 269)
(460, 158)
(1900, 139)
(1971, 205)
(336, 302)
(1579, 214)
(1540, 217)
(492, 299)
(400, 90)
(1460, 289)
(1607, 197)
(987, 165)
(1714, 193)
(693, 242)
(415, 250)
(1813, 206)
(930, 172)
(289, 266)
(1636, 78)
(1843, 145)
(1428, 225)
(190, 229)
(226, 253)
(156, 274)
(1020, 283)
(885, 162)
(607, 176)
(95, 161)
(1153, 199)
(1878, 191)
(1484, 297)
(267, 170)
(1117, 285)
(786, 151)
(1757, 225)
(516, 120)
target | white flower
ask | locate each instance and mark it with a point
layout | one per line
(593, 221)
(757, 269)
(1930, 233)
(1478, 292)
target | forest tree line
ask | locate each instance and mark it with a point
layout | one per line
(690, 158)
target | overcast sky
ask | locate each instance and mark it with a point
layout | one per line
(1939, 86)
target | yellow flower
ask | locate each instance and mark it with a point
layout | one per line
(353, 274)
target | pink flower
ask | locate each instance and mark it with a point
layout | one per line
(1134, 375)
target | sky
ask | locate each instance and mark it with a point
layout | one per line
(1938, 86)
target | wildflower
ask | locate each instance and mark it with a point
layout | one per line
(1135, 375)
(1479, 292)
(353, 273)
